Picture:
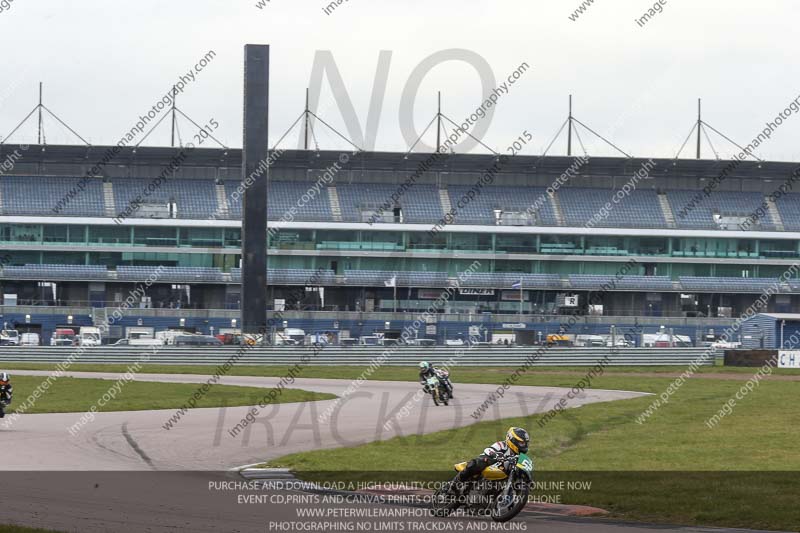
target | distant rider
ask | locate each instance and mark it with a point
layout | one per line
(427, 370)
(6, 391)
(516, 442)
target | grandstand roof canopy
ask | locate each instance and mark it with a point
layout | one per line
(395, 161)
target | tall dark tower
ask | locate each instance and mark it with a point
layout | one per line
(254, 206)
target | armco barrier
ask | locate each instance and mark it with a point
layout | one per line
(359, 356)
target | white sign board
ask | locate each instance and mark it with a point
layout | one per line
(789, 359)
(571, 301)
(476, 292)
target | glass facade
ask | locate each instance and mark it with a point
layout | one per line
(190, 246)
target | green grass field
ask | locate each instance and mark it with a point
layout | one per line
(671, 469)
(20, 529)
(68, 395)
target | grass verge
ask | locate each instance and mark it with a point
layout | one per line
(671, 469)
(73, 395)
(20, 529)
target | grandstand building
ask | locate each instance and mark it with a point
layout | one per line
(382, 235)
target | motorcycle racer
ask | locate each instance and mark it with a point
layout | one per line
(6, 392)
(427, 370)
(516, 442)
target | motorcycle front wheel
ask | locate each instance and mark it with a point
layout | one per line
(507, 507)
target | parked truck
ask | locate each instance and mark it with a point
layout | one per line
(63, 337)
(90, 336)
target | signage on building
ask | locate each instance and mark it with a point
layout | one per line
(789, 359)
(476, 292)
(571, 300)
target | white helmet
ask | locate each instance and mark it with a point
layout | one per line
(4, 378)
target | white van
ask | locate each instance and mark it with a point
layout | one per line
(140, 341)
(590, 341)
(29, 339)
(290, 337)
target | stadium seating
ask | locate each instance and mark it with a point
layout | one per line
(282, 197)
(789, 209)
(298, 276)
(52, 272)
(370, 278)
(419, 203)
(481, 209)
(695, 210)
(626, 282)
(639, 209)
(41, 195)
(724, 284)
(292, 276)
(184, 274)
(195, 199)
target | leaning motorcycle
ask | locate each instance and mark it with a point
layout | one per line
(501, 491)
(444, 377)
(438, 390)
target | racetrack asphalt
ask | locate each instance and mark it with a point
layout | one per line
(137, 440)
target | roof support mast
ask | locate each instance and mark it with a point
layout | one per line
(699, 126)
(569, 128)
(172, 137)
(439, 122)
(41, 120)
(41, 137)
(308, 118)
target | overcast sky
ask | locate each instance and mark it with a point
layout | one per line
(104, 63)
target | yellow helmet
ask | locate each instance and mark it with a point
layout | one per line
(518, 440)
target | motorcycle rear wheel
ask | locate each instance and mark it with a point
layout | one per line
(444, 502)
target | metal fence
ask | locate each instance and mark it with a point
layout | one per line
(360, 356)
